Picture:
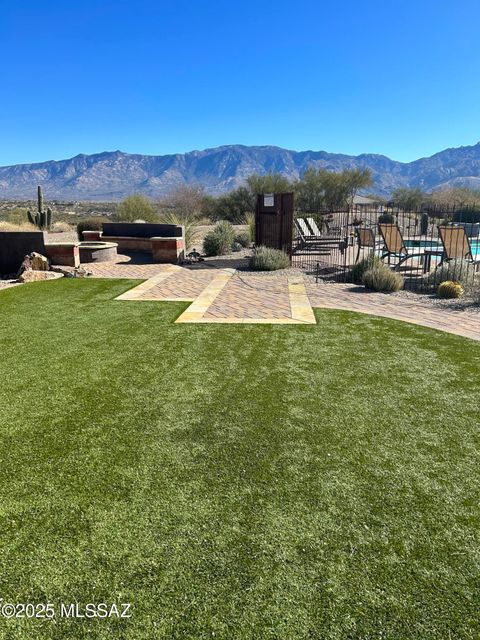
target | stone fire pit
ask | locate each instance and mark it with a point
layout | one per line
(97, 251)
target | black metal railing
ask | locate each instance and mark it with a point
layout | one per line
(425, 245)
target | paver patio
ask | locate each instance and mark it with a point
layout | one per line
(223, 295)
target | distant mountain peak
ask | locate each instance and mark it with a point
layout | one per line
(111, 175)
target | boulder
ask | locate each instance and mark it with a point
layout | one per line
(33, 262)
(32, 275)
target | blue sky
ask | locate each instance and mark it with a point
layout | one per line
(393, 77)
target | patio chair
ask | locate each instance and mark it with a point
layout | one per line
(394, 245)
(456, 244)
(366, 240)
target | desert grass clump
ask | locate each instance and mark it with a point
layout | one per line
(450, 289)
(358, 269)
(250, 220)
(220, 241)
(381, 278)
(184, 219)
(267, 259)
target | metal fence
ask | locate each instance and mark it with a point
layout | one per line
(424, 245)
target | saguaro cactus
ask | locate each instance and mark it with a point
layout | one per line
(43, 217)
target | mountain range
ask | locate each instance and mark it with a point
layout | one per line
(113, 175)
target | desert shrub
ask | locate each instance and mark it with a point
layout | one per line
(219, 241)
(457, 270)
(386, 218)
(356, 274)
(243, 238)
(450, 289)
(17, 216)
(60, 227)
(185, 219)
(136, 207)
(250, 220)
(211, 244)
(89, 224)
(381, 278)
(267, 259)
(10, 226)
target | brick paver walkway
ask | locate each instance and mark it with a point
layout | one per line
(252, 297)
(184, 284)
(415, 310)
(125, 267)
(223, 295)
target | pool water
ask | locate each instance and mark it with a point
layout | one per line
(434, 244)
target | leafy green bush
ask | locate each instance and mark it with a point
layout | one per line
(243, 238)
(458, 270)
(89, 224)
(219, 241)
(381, 278)
(356, 274)
(386, 218)
(267, 259)
(136, 207)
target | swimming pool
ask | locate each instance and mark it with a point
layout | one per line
(433, 245)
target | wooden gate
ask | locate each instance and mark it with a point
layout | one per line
(274, 221)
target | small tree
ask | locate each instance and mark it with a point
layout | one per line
(356, 179)
(232, 206)
(269, 183)
(186, 201)
(409, 199)
(136, 207)
(320, 188)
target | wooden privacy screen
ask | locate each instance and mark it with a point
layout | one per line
(274, 221)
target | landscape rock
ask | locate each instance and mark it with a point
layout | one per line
(33, 275)
(34, 262)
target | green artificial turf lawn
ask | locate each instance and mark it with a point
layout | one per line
(235, 481)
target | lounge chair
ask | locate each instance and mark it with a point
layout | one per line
(310, 239)
(314, 227)
(394, 245)
(331, 234)
(305, 231)
(456, 244)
